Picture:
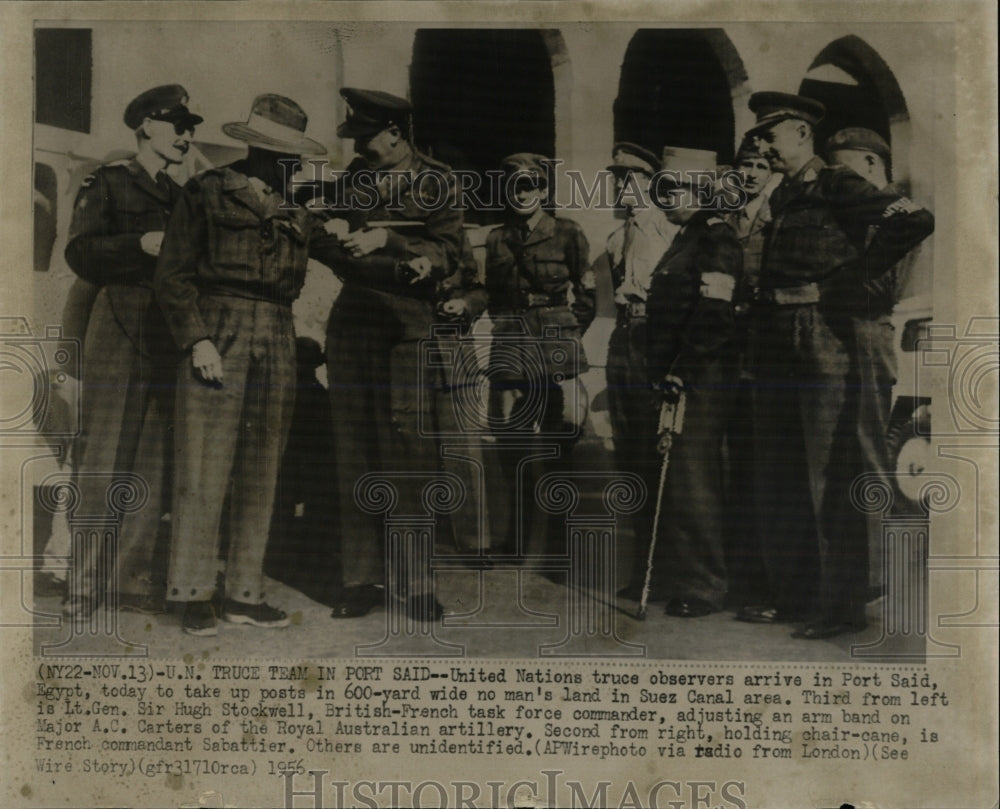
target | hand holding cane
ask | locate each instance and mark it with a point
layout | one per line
(671, 422)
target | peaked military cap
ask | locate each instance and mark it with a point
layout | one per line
(371, 111)
(632, 157)
(857, 138)
(167, 102)
(773, 108)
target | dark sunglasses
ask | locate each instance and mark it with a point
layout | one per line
(180, 127)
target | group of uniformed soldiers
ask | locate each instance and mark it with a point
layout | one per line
(769, 318)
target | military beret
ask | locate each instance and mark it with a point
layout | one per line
(526, 163)
(772, 108)
(371, 111)
(857, 138)
(632, 157)
(165, 103)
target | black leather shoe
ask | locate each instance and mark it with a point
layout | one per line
(353, 602)
(762, 614)
(424, 608)
(688, 608)
(821, 630)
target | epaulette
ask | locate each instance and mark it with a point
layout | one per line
(92, 177)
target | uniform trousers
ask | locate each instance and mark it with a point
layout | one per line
(692, 522)
(634, 409)
(234, 432)
(126, 405)
(380, 399)
(844, 589)
(805, 453)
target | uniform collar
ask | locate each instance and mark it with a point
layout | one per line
(542, 224)
(148, 184)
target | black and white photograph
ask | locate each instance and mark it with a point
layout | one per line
(631, 383)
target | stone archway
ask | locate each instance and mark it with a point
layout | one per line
(679, 87)
(859, 89)
(480, 94)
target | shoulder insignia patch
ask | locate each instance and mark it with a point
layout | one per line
(901, 205)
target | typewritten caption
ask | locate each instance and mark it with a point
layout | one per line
(151, 719)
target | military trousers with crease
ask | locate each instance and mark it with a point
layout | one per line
(383, 425)
(805, 450)
(234, 432)
(126, 404)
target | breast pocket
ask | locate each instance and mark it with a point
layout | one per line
(141, 219)
(549, 266)
(812, 237)
(234, 241)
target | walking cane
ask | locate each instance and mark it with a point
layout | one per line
(671, 422)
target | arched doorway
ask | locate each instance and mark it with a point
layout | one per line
(677, 87)
(859, 89)
(481, 94)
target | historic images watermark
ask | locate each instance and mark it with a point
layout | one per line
(316, 788)
(495, 191)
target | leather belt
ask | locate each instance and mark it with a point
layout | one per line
(788, 296)
(534, 300)
(246, 293)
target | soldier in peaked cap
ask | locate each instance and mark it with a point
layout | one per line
(400, 245)
(632, 252)
(690, 335)
(818, 262)
(118, 222)
(233, 260)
